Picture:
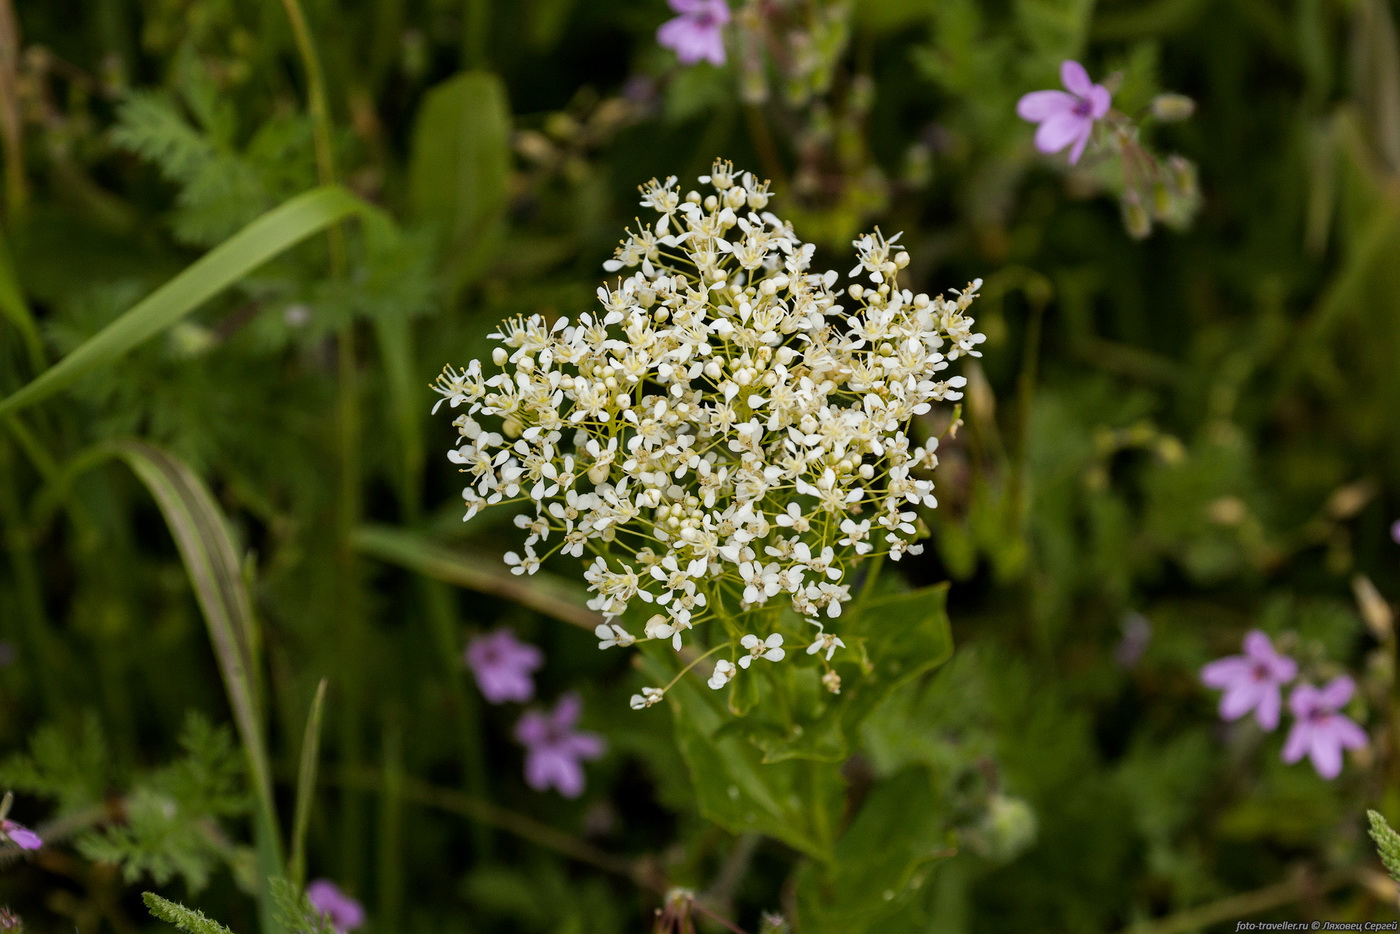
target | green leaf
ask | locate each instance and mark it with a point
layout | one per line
(541, 592)
(880, 861)
(1387, 843)
(796, 802)
(275, 232)
(459, 167)
(211, 560)
(186, 919)
(876, 663)
(306, 783)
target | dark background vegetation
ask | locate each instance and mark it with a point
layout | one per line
(1178, 438)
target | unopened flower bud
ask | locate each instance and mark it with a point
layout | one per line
(1136, 219)
(1170, 108)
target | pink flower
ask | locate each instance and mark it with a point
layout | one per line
(342, 911)
(1251, 681)
(1395, 531)
(1320, 731)
(1066, 118)
(20, 836)
(502, 665)
(698, 32)
(555, 749)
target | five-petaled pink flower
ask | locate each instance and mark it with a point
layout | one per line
(20, 835)
(697, 32)
(1319, 731)
(342, 911)
(554, 749)
(1066, 118)
(1251, 681)
(503, 665)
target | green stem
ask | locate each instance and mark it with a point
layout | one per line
(475, 33)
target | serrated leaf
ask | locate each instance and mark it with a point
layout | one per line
(1387, 843)
(186, 919)
(796, 802)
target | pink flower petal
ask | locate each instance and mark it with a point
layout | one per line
(1337, 692)
(1223, 672)
(1039, 105)
(1239, 699)
(1268, 710)
(1075, 78)
(1080, 143)
(1326, 754)
(1299, 739)
(1348, 733)
(1099, 101)
(1058, 131)
(1303, 701)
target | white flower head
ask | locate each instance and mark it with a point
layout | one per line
(728, 419)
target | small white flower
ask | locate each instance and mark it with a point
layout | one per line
(648, 697)
(724, 673)
(828, 641)
(659, 627)
(611, 634)
(770, 648)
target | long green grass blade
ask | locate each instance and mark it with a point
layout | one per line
(306, 785)
(275, 232)
(211, 560)
(540, 592)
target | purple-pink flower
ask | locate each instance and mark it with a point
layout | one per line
(1395, 531)
(1319, 731)
(554, 749)
(503, 665)
(342, 911)
(20, 835)
(1066, 118)
(697, 32)
(1251, 681)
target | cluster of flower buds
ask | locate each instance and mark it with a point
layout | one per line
(727, 435)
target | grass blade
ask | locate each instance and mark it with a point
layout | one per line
(207, 550)
(541, 592)
(275, 232)
(306, 785)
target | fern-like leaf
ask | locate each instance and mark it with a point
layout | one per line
(186, 919)
(1387, 844)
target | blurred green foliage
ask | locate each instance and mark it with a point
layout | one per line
(1168, 441)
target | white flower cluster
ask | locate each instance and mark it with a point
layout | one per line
(725, 434)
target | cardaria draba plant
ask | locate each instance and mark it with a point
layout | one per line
(727, 436)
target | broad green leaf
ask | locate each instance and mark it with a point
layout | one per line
(879, 862)
(211, 560)
(890, 641)
(541, 592)
(796, 802)
(275, 232)
(459, 167)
